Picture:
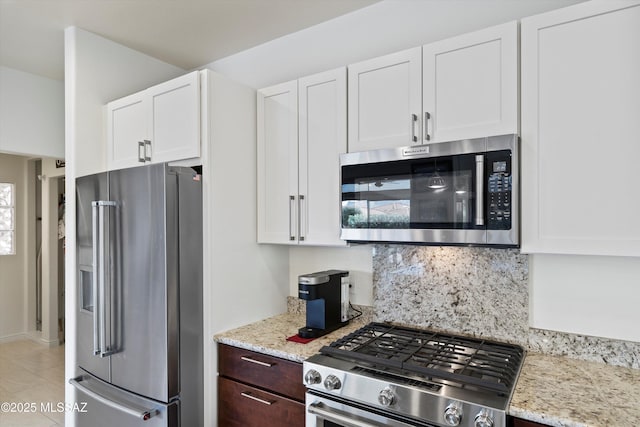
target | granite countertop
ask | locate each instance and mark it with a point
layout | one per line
(560, 391)
(269, 336)
(552, 390)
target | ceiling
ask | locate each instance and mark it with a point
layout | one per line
(185, 33)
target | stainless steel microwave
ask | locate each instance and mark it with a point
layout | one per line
(453, 193)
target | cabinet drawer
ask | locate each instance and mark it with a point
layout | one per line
(240, 405)
(272, 373)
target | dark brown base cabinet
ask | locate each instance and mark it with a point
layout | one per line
(258, 390)
(517, 422)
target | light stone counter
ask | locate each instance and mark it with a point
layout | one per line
(560, 391)
(269, 336)
(552, 390)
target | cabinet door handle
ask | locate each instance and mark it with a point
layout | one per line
(257, 399)
(141, 151)
(427, 116)
(257, 362)
(414, 120)
(147, 155)
(301, 215)
(292, 202)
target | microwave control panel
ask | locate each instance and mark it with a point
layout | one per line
(499, 190)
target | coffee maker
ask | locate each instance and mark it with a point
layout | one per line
(327, 296)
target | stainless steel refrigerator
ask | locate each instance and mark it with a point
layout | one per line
(139, 319)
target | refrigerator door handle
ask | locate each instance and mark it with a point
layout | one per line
(95, 213)
(99, 261)
(101, 272)
(142, 414)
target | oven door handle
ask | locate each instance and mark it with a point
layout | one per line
(338, 417)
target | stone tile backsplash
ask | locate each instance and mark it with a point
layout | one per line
(481, 292)
(592, 349)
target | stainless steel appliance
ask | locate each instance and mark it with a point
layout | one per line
(453, 193)
(386, 375)
(139, 313)
(326, 308)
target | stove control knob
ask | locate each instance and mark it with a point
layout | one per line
(386, 397)
(332, 383)
(312, 377)
(483, 419)
(453, 414)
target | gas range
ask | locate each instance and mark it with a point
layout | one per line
(411, 377)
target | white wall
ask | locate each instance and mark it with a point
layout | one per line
(96, 71)
(49, 257)
(48, 334)
(381, 28)
(243, 282)
(31, 114)
(357, 260)
(588, 295)
(13, 279)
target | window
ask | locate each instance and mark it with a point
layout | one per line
(7, 219)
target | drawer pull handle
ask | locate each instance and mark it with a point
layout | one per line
(257, 362)
(257, 399)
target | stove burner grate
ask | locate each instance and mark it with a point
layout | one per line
(466, 361)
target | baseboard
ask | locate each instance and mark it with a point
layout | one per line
(35, 336)
(13, 337)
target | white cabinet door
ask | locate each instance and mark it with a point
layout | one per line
(385, 101)
(126, 129)
(159, 124)
(580, 130)
(277, 139)
(322, 138)
(471, 85)
(175, 119)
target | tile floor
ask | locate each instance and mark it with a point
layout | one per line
(31, 374)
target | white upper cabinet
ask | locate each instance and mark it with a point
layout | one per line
(470, 86)
(175, 118)
(127, 131)
(580, 130)
(277, 139)
(159, 124)
(458, 88)
(322, 138)
(385, 101)
(301, 133)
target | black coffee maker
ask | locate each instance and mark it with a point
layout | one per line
(327, 301)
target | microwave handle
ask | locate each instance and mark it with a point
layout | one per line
(480, 189)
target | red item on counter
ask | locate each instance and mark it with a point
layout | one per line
(297, 338)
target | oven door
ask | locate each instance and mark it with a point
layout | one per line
(322, 411)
